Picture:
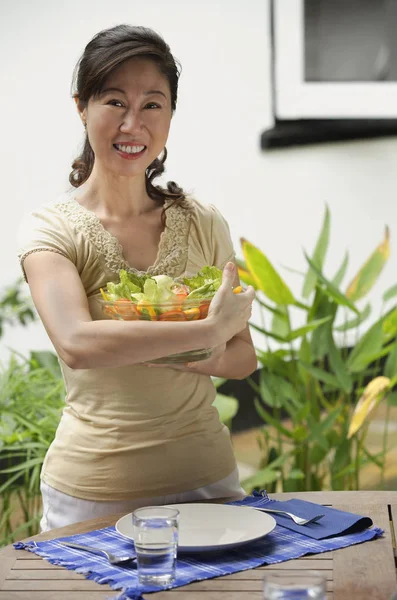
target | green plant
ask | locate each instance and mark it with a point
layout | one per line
(313, 374)
(31, 400)
(15, 307)
(226, 406)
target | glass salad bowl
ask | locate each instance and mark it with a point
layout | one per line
(182, 310)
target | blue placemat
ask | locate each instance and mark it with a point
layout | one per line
(334, 523)
(280, 545)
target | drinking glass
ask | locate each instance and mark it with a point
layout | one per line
(294, 585)
(156, 541)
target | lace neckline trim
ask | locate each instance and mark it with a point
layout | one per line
(173, 244)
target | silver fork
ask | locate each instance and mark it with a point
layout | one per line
(114, 560)
(295, 518)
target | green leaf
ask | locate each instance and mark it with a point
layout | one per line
(8, 483)
(390, 323)
(318, 256)
(331, 290)
(23, 466)
(244, 274)
(374, 458)
(274, 390)
(305, 351)
(318, 432)
(218, 381)
(261, 479)
(271, 420)
(265, 275)
(337, 364)
(367, 346)
(293, 335)
(272, 309)
(322, 307)
(266, 393)
(300, 433)
(226, 406)
(280, 322)
(317, 454)
(390, 293)
(370, 271)
(356, 321)
(47, 360)
(321, 375)
(276, 361)
(340, 462)
(301, 331)
(303, 412)
(296, 474)
(267, 333)
(391, 364)
(338, 278)
(385, 351)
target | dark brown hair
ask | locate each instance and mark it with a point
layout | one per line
(104, 53)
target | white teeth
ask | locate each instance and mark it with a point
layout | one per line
(130, 149)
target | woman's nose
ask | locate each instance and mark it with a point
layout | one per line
(131, 122)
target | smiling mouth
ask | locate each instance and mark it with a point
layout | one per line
(131, 150)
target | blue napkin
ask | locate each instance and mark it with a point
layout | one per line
(280, 545)
(335, 522)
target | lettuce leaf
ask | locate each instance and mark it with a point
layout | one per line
(205, 283)
(130, 287)
(133, 280)
(157, 289)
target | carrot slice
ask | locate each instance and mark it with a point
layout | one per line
(172, 315)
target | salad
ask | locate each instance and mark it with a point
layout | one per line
(161, 298)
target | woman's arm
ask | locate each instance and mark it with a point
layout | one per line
(234, 360)
(61, 302)
(237, 360)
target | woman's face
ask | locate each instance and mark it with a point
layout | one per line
(128, 123)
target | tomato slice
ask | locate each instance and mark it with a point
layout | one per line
(204, 308)
(181, 292)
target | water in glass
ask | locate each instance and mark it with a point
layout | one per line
(156, 541)
(309, 585)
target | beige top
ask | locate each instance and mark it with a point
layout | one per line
(124, 433)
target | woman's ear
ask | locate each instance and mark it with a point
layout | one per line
(82, 110)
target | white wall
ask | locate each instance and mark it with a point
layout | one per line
(274, 199)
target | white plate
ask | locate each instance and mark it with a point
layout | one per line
(204, 527)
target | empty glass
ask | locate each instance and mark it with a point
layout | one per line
(294, 585)
(156, 541)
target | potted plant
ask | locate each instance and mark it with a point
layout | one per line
(324, 379)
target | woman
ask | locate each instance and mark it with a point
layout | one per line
(129, 435)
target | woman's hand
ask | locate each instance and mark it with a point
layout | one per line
(229, 313)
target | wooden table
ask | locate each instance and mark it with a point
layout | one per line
(361, 572)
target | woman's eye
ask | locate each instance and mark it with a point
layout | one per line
(152, 105)
(115, 102)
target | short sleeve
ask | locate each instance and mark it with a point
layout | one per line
(222, 245)
(44, 230)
